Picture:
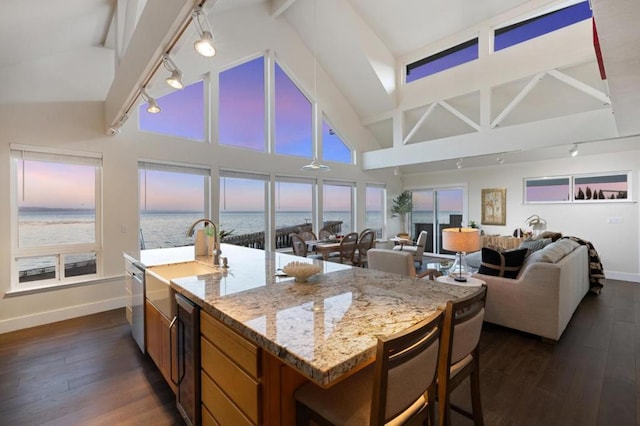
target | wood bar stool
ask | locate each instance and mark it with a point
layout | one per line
(459, 354)
(399, 387)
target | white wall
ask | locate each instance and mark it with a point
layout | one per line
(617, 244)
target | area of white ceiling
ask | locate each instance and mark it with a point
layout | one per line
(36, 28)
(360, 44)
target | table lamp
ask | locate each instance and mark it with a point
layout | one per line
(460, 240)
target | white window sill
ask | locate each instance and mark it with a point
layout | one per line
(59, 286)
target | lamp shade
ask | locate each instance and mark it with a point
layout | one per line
(461, 239)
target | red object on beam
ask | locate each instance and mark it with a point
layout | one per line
(596, 46)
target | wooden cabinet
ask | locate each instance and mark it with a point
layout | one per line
(161, 343)
(241, 384)
(231, 375)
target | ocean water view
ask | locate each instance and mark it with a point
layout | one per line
(162, 228)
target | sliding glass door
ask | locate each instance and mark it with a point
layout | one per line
(433, 211)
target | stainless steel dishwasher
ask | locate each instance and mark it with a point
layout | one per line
(137, 304)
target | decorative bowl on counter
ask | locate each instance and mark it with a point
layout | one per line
(301, 271)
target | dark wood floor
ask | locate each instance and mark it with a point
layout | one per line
(90, 371)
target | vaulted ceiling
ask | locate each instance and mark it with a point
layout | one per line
(362, 45)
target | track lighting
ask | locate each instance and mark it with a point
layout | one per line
(459, 163)
(574, 150)
(396, 171)
(175, 79)
(204, 44)
(153, 106)
(500, 159)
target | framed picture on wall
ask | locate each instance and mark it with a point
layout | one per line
(494, 206)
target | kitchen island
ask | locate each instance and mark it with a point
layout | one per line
(322, 330)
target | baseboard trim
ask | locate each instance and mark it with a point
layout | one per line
(42, 318)
(622, 276)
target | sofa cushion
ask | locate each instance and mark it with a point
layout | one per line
(557, 250)
(533, 245)
(506, 264)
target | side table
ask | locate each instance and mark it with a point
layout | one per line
(471, 281)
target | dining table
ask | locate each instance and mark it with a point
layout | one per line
(324, 247)
(401, 241)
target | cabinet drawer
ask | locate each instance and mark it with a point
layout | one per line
(236, 347)
(222, 410)
(241, 388)
(207, 418)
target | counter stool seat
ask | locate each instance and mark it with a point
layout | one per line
(400, 385)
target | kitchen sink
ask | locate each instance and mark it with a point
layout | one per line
(157, 283)
(183, 269)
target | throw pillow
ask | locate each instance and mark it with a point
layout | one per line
(534, 245)
(506, 264)
(474, 259)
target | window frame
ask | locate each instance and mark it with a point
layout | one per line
(572, 188)
(352, 193)
(187, 169)
(58, 251)
(437, 56)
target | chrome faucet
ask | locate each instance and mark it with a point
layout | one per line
(215, 251)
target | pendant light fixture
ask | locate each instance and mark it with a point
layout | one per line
(574, 150)
(204, 44)
(315, 165)
(153, 106)
(175, 79)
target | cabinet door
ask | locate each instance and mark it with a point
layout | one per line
(161, 343)
(168, 347)
(152, 333)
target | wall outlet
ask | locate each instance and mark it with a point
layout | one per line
(616, 220)
(123, 229)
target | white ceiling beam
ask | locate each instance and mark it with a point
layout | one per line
(619, 35)
(159, 26)
(576, 128)
(518, 98)
(278, 7)
(421, 120)
(460, 115)
(583, 87)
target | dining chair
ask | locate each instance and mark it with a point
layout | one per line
(300, 247)
(418, 249)
(397, 262)
(346, 249)
(399, 386)
(324, 234)
(459, 355)
(308, 235)
(366, 242)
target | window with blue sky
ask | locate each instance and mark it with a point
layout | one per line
(534, 27)
(293, 117)
(241, 116)
(182, 114)
(333, 148)
(446, 59)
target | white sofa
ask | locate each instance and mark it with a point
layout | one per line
(543, 297)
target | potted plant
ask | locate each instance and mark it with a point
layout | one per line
(402, 206)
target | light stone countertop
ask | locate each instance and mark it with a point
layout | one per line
(323, 328)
